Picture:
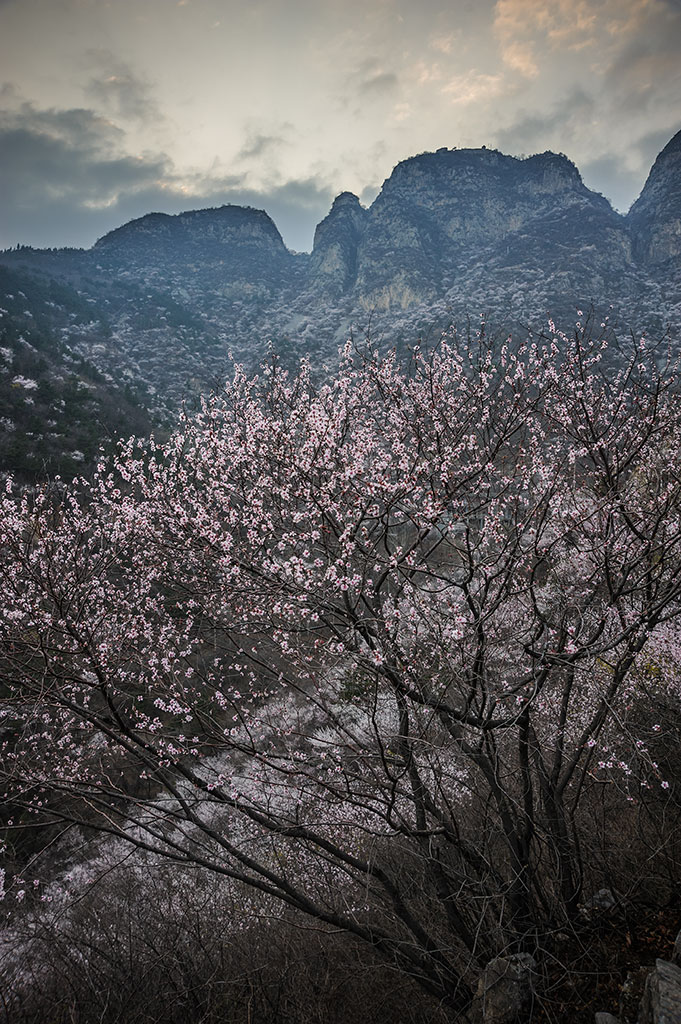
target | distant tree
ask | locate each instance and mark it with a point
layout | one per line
(366, 646)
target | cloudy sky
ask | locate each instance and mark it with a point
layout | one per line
(109, 110)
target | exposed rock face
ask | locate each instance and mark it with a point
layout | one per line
(661, 1003)
(655, 217)
(333, 264)
(505, 990)
(439, 215)
(649, 996)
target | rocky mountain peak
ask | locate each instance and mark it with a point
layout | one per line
(226, 225)
(229, 248)
(553, 172)
(336, 242)
(655, 217)
(475, 167)
(453, 234)
(346, 200)
(438, 212)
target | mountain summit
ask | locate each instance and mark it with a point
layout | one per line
(236, 226)
(439, 212)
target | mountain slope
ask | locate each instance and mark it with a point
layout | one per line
(56, 407)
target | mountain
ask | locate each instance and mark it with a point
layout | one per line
(437, 213)
(231, 247)
(655, 218)
(162, 306)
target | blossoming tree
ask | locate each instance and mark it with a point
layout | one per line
(361, 646)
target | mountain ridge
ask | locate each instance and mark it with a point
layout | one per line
(167, 302)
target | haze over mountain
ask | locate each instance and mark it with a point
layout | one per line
(155, 310)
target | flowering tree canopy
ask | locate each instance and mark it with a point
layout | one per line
(362, 646)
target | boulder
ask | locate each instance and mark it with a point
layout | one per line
(505, 990)
(602, 900)
(661, 1003)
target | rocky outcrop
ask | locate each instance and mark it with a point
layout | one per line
(505, 991)
(166, 301)
(333, 264)
(473, 227)
(661, 1003)
(655, 218)
(649, 996)
(441, 215)
(225, 246)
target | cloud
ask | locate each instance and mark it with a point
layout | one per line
(648, 146)
(554, 128)
(296, 207)
(621, 179)
(615, 36)
(378, 84)
(370, 80)
(66, 179)
(519, 56)
(368, 194)
(473, 87)
(628, 44)
(647, 55)
(619, 176)
(522, 25)
(627, 100)
(117, 90)
(444, 43)
(259, 144)
(458, 74)
(611, 176)
(72, 155)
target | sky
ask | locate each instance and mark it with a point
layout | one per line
(110, 110)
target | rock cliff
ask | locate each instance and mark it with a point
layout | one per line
(438, 213)
(655, 218)
(333, 264)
